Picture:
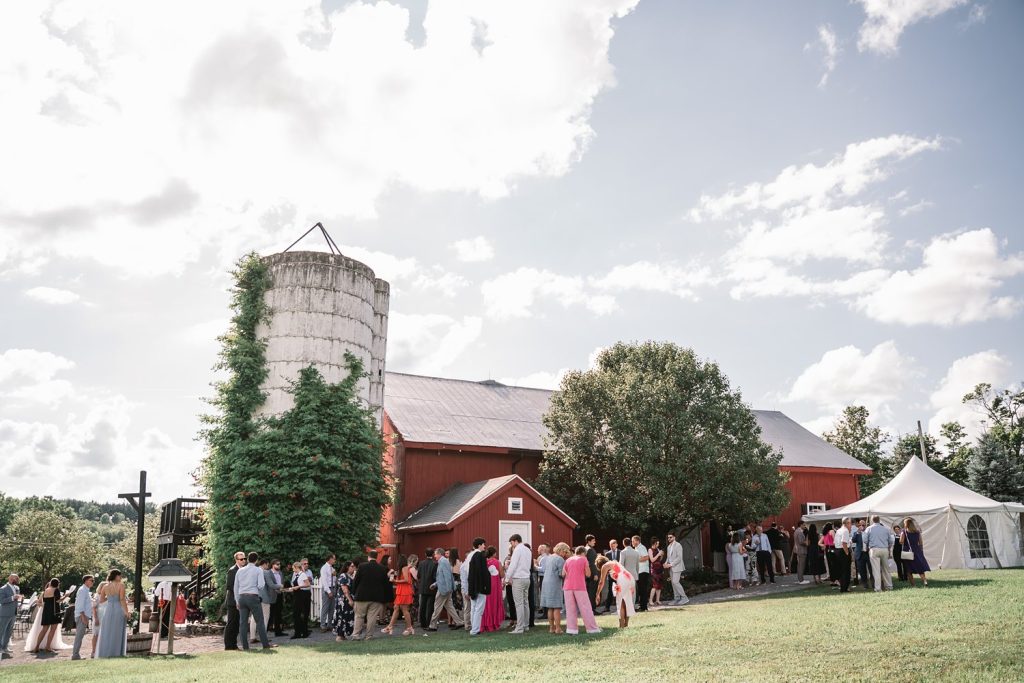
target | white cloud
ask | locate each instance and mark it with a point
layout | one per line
(830, 52)
(961, 377)
(887, 19)
(977, 15)
(848, 376)
(645, 276)
(429, 342)
(31, 365)
(474, 250)
(161, 124)
(543, 379)
(513, 295)
(957, 283)
(52, 295)
(810, 186)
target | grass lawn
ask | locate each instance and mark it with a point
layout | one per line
(965, 626)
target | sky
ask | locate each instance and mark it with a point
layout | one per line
(823, 198)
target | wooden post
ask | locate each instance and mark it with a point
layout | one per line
(920, 441)
(138, 502)
(170, 619)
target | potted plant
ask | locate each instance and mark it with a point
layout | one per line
(138, 643)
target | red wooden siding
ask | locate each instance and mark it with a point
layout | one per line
(816, 485)
(483, 521)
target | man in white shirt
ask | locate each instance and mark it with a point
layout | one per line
(674, 565)
(249, 581)
(844, 551)
(327, 594)
(467, 603)
(518, 576)
(163, 595)
(643, 581)
(83, 614)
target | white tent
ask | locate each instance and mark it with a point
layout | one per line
(960, 528)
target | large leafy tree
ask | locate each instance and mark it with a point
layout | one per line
(854, 433)
(995, 471)
(1004, 415)
(653, 436)
(959, 452)
(42, 544)
(909, 446)
(306, 483)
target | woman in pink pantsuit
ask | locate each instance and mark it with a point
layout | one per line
(577, 570)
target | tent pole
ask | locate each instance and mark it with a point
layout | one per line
(920, 440)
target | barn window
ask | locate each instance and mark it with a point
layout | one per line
(515, 506)
(816, 507)
(977, 536)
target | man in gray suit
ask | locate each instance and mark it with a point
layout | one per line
(629, 558)
(271, 588)
(10, 598)
(444, 584)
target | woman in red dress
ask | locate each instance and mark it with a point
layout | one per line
(403, 599)
(494, 608)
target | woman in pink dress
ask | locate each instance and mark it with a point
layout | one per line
(494, 609)
(574, 588)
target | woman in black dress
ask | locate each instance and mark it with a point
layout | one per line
(901, 568)
(815, 560)
(52, 615)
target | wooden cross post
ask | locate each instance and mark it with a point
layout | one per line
(138, 501)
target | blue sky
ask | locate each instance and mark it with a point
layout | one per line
(820, 197)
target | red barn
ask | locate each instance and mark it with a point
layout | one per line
(465, 453)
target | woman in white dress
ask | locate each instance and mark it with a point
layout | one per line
(624, 588)
(737, 567)
(98, 610)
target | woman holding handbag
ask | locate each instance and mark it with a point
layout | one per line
(912, 553)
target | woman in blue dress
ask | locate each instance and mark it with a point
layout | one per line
(551, 590)
(911, 540)
(115, 618)
(345, 615)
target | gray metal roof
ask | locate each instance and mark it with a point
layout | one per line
(464, 413)
(453, 503)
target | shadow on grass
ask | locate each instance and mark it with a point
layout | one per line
(498, 641)
(826, 589)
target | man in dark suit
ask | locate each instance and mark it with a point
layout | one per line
(277, 604)
(591, 542)
(427, 576)
(372, 589)
(231, 629)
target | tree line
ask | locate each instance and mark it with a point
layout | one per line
(992, 464)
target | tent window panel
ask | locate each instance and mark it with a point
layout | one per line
(977, 535)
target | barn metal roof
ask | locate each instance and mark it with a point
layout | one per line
(462, 498)
(465, 413)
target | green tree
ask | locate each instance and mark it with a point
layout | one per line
(908, 446)
(854, 434)
(104, 518)
(1004, 415)
(118, 518)
(958, 452)
(309, 482)
(8, 508)
(654, 437)
(995, 472)
(42, 544)
(123, 552)
(48, 504)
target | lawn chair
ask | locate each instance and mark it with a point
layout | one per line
(23, 619)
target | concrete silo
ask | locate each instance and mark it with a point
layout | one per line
(323, 305)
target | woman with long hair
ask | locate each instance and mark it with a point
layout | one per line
(494, 608)
(737, 568)
(657, 558)
(115, 619)
(574, 589)
(912, 541)
(815, 559)
(99, 609)
(551, 598)
(404, 583)
(827, 543)
(345, 613)
(45, 632)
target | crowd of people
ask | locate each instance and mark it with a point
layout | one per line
(852, 553)
(480, 591)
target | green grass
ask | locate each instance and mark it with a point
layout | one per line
(965, 626)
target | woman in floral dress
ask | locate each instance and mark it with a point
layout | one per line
(624, 588)
(345, 614)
